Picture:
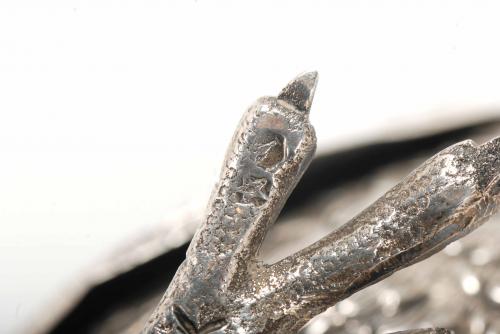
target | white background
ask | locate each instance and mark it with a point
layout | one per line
(114, 114)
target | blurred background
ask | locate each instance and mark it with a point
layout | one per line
(115, 115)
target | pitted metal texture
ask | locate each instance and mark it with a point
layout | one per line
(222, 287)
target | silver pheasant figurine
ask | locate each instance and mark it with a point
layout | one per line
(222, 287)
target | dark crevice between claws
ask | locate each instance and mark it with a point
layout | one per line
(183, 321)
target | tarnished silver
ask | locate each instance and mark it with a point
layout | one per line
(222, 287)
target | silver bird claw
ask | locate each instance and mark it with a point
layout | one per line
(221, 287)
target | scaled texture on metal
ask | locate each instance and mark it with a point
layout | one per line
(222, 287)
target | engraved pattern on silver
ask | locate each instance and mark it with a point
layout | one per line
(222, 287)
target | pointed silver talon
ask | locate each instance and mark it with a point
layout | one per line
(300, 91)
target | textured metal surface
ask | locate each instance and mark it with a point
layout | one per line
(270, 151)
(458, 288)
(441, 201)
(222, 288)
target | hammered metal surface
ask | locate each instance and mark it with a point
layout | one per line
(270, 151)
(222, 288)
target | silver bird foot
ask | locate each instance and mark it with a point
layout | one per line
(222, 287)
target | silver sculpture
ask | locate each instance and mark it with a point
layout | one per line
(222, 287)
